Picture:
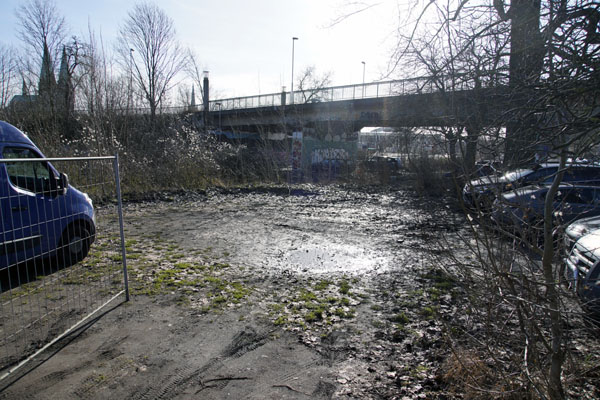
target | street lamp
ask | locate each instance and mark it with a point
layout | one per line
(364, 65)
(292, 93)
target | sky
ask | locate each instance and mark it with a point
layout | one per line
(247, 45)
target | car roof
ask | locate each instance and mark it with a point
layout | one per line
(568, 164)
(10, 134)
(565, 185)
(538, 188)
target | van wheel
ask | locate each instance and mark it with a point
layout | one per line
(75, 245)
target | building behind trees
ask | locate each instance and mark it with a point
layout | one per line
(51, 96)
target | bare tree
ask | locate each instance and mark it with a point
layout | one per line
(8, 72)
(195, 73)
(311, 84)
(461, 52)
(39, 24)
(148, 46)
(545, 53)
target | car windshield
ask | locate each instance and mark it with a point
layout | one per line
(514, 175)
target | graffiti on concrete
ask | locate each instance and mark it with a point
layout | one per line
(328, 162)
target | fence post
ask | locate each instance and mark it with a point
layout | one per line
(121, 230)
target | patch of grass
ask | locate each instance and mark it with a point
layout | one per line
(183, 300)
(376, 307)
(219, 299)
(173, 257)
(344, 286)
(216, 283)
(323, 285)
(442, 280)
(434, 293)
(343, 314)
(166, 274)
(428, 312)
(276, 307)
(313, 316)
(238, 291)
(307, 295)
(401, 319)
(183, 265)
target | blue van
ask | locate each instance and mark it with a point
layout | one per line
(41, 214)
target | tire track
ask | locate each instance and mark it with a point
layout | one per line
(243, 342)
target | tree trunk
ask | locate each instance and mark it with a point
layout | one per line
(471, 150)
(552, 291)
(525, 66)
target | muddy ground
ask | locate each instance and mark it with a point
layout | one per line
(315, 292)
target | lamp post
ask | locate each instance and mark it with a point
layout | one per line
(364, 65)
(292, 92)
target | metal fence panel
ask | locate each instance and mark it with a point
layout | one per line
(59, 261)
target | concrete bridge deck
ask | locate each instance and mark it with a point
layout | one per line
(407, 103)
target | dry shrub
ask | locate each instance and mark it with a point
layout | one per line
(470, 375)
(430, 176)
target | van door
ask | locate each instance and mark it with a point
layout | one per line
(32, 204)
(5, 220)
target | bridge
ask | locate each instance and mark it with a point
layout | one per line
(399, 103)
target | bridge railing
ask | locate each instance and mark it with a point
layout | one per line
(335, 93)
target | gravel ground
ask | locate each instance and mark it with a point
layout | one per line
(315, 292)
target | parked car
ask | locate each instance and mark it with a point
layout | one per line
(482, 168)
(578, 229)
(522, 210)
(41, 214)
(582, 271)
(481, 193)
(487, 168)
(380, 164)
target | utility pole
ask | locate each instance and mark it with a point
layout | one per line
(292, 92)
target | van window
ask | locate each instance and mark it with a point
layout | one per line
(33, 176)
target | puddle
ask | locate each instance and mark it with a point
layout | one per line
(333, 258)
(314, 230)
